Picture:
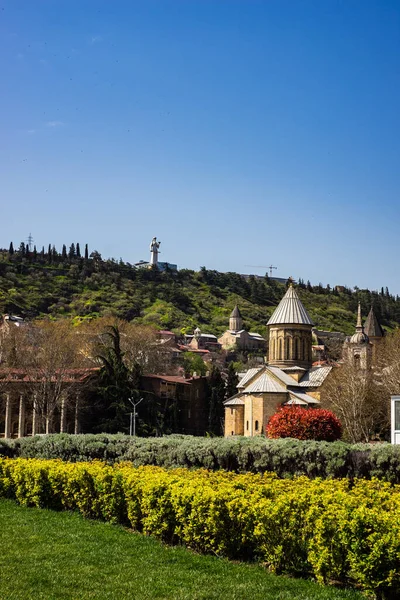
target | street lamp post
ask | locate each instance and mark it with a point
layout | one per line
(132, 426)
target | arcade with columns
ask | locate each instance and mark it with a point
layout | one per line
(24, 412)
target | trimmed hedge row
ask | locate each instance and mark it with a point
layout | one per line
(334, 530)
(285, 457)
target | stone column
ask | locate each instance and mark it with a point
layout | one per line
(63, 415)
(7, 425)
(77, 424)
(21, 419)
(34, 416)
(48, 423)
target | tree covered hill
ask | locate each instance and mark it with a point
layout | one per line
(68, 284)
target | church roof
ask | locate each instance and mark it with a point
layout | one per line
(236, 400)
(359, 337)
(372, 326)
(247, 376)
(236, 313)
(263, 384)
(301, 398)
(315, 376)
(290, 311)
(282, 376)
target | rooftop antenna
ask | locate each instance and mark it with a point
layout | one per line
(30, 241)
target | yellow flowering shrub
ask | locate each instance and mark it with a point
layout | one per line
(331, 529)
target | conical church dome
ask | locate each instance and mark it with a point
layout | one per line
(372, 327)
(236, 313)
(290, 311)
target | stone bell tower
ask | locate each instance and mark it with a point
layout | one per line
(290, 337)
(235, 320)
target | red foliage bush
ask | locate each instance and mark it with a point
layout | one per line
(304, 424)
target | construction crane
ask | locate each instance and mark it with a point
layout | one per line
(263, 267)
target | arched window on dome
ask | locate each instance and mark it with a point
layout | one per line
(287, 356)
(272, 350)
(280, 353)
(296, 349)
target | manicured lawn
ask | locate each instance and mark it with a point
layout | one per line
(49, 555)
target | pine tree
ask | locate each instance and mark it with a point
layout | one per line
(64, 252)
(86, 252)
(11, 249)
(71, 252)
(78, 250)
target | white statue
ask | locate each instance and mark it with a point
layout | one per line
(154, 246)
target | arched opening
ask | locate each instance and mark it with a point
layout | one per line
(280, 353)
(296, 349)
(256, 426)
(272, 350)
(287, 356)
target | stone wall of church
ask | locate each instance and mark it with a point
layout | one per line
(290, 346)
(257, 411)
(234, 420)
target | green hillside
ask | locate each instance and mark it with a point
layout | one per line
(34, 284)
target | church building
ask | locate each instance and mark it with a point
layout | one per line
(360, 348)
(237, 338)
(287, 378)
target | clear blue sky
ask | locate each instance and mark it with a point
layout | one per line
(240, 132)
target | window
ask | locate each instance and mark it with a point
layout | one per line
(232, 433)
(256, 426)
(231, 411)
(247, 425)
(296, 349)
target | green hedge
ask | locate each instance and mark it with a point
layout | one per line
(334, 530)
(285, 457)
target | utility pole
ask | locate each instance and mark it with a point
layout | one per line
(133, 415)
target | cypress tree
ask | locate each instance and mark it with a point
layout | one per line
(42, 252)
(64, 251)
(34, 253)
(216, 398)
(11, 249)
(22, 249)
(71, 253)
(78, 250)
(49, 257)
(54, 252)
(232, 381)
(86, 252)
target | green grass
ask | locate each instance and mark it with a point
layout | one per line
(49, 555)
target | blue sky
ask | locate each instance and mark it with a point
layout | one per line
(240, 132)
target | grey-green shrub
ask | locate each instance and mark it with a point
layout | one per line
(285, 457)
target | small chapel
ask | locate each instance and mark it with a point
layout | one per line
(287, 378)
(237, 338)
